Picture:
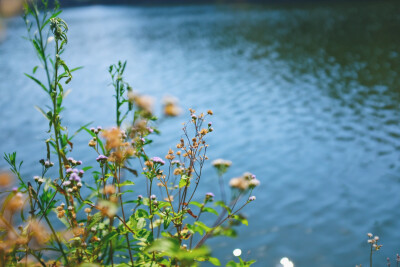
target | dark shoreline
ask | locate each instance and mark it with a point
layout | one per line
(74, 3)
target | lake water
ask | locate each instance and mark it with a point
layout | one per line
(307, 97)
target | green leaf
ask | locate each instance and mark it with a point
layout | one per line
(38, 82)
(203, 226)
(141, 223)
(196, 204)
(211, 210)
(222, 204)
(42, 112)
(125, 183)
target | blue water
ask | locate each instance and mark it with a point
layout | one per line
(306, 97)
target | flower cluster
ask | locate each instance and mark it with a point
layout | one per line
(373, 241)
(74, 181)
(244, 182)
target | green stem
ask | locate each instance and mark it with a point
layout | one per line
(370, 258)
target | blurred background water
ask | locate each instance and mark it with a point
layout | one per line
(305, 96)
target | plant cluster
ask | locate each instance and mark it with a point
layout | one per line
(104, 222)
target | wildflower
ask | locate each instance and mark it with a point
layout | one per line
(252, 198)
(74, 177)
(92, 129)
(238, 183)
(376, 238)
(171, 108)
(79, 162)
(70, 190)
(36, 178)
(143, 102)
(48, 164)
(69, 170)
(203, 131)
(92, 143)
(153, 197)
(93, 229)
(88, 210)
(170, 155)
(178, 171)
(107, 208)
(209, 196)
(169, 199)
(157, 160)
(16, 202)
(221, 165)
(209, 124)
(253, 183)
(149, 164)
(109, 189)
(61, 214)
(139, 197)
(39, 232)
(101, 158)
(209, 112)
(41, 181)
(77, 231)
(79, 184)
(66, 183)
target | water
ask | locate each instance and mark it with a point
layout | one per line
(306, 97)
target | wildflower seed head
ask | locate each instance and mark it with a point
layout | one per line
(149, 164)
